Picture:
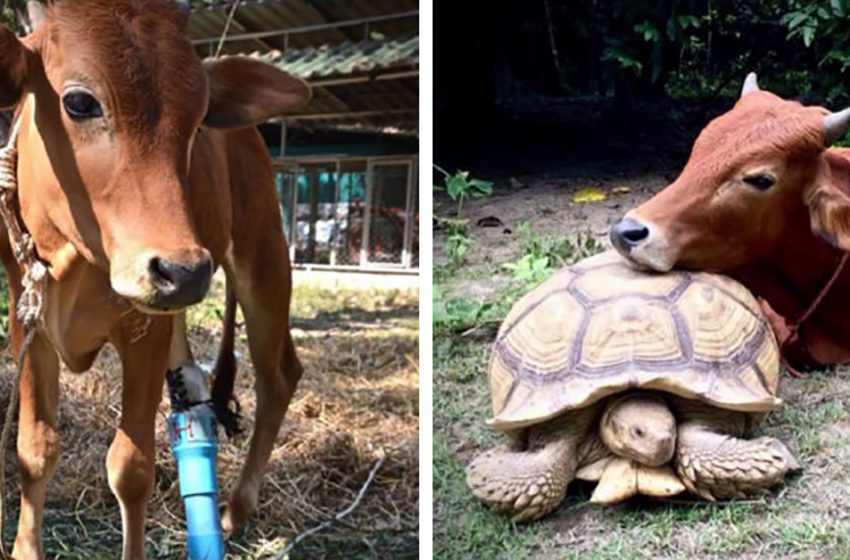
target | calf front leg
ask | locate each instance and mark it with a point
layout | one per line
(130, 463)
(38, 444)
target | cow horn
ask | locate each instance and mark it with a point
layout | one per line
(751, 84)
(36, 12)
(835, 126)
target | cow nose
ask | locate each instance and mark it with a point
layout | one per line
(180, 284)
(628, 233)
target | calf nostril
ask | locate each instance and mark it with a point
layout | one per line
(180, 284)
(636, 234)
(628, 233)
(162, 274)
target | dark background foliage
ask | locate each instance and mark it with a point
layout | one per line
(544, 79)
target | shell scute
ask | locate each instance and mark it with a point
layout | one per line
(600, 327)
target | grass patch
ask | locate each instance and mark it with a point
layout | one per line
(475, 533)
(805, 519)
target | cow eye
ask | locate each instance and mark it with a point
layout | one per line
(761, 182)
(81, 105)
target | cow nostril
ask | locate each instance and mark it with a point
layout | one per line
(162, 274)
(637, 234)
(628, 233)
(180, 284)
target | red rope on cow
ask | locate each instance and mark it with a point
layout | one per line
(794, 327)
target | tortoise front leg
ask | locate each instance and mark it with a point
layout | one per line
(715, 465)
(531, 483)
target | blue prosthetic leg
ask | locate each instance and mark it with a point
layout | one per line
(193, 433)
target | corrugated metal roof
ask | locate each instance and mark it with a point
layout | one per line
(216, 4)
(209, 17)
(391, 96)
(346, 59)
(329, 56)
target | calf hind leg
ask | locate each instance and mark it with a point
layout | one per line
(263, 291)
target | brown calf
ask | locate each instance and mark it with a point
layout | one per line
(765, 199)
(140, 172)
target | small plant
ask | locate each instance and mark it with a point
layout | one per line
(541, 256)
(452, 315)
(459, 187)
(457, 240)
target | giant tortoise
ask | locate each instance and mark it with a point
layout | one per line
(648, 383)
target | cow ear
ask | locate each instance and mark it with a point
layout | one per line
(13, 68)
(246, 92)
(829, 214)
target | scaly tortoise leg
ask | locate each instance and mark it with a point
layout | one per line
(530, 484)
(716, 466)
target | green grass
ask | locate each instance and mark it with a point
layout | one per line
(314, 307)
(805, 519)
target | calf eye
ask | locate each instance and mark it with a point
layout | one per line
(761, 182)
(81, 105)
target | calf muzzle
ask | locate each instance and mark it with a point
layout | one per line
(178, 284)
(627, 234)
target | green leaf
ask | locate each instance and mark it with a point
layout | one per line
(649, 32)
(480, 188)
(456, 186)
(686, 21)
(837, 7)
(796, 18)
(808, 35)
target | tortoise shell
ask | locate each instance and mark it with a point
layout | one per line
(601, 327)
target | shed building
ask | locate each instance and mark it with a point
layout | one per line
(346, 165)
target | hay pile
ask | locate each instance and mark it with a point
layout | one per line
(358, 401)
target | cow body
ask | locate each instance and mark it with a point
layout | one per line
(764, 199)
(140, 171)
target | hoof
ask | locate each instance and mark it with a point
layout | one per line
(24, 550)
(239, 508)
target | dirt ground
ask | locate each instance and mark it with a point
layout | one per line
(545, 203)
(357, 402)
(807, 518)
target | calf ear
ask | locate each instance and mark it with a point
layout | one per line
(829, 213)
(246, 92)
(13, 68)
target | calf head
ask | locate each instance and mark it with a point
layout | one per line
(756, 175)
(112, 97)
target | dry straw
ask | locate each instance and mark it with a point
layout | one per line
(356, 404)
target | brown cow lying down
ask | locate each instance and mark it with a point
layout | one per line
(765, 199)
(141, 171)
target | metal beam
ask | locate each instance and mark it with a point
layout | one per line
(307, 28)
(364, 78)
(244, 28)
(350, 115)
(321, 11)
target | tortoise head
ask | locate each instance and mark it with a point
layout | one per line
(639, 427)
